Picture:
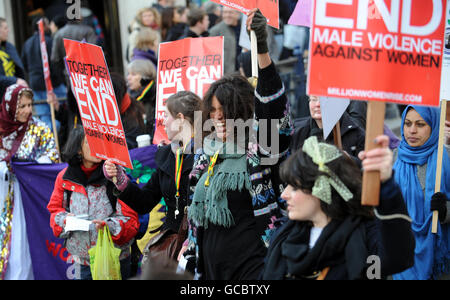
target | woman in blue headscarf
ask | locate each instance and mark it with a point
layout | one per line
(415, 172)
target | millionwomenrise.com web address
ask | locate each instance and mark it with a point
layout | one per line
(371, 94)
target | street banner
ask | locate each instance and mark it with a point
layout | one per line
(191, 64)
(396, 57)
(93, 89)
(50, 259)
(269, 8)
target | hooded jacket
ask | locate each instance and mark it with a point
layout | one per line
(92, 198)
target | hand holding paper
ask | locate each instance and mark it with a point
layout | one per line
(75, 224)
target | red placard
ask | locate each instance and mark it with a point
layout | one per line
(269, 8)
(93, 89)
(191, 64)
(394, 55)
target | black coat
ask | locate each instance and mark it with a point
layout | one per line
(345, 246)
(353, 137)
(162, 185)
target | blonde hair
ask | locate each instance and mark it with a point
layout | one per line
(147, 38)
(147, 9)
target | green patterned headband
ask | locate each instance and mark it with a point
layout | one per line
(321, 154)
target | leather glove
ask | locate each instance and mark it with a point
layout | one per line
(122, 178)
(259, 26)
(439, 203)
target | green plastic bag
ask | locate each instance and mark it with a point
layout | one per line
(104, 257)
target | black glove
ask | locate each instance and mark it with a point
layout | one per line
(439, 203)
(259, 26)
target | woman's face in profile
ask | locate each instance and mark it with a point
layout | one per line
(24, 109)
(415, 130)
(134, 81)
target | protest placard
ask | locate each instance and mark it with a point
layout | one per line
(186, 65)
(394, 58)
(93, 89)
(269, 8)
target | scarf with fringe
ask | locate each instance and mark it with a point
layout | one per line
(210, 204)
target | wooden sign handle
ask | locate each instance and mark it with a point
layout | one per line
(375, 127)
(337, 135)
(437, 185)
(55, 130)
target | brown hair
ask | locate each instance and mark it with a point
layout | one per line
(184, 102)
(27, 93)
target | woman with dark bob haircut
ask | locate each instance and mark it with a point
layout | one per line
(329, 235)
(81, 190)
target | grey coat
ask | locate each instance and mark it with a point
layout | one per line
(230, 45)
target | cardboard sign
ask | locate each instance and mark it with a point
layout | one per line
(186, 65)
(269, 8)
(393, 58)
(93, 89)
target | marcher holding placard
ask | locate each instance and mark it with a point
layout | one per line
(415, 172)
(330, 235)
(236, 198)
(82, 191)
(174, 163)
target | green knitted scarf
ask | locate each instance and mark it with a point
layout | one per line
(210, 204)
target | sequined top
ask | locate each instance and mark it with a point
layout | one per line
(37, 142)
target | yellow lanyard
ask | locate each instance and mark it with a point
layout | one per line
(178, 168)
(212, 163)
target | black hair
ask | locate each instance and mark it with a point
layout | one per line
(60, 21)
(301, 173)
(70, 153)
(235, 94)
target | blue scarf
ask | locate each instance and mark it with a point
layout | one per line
(432, 256)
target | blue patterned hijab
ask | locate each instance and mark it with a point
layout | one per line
(432, 256)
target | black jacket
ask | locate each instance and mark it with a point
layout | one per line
(176, 32)
(162, 185)
(32, 61)
(14, 57)
(188, 33)
(353, 137)
(346, 246)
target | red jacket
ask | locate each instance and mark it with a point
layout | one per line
(92, 198)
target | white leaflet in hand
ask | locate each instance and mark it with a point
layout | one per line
(76, 224)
